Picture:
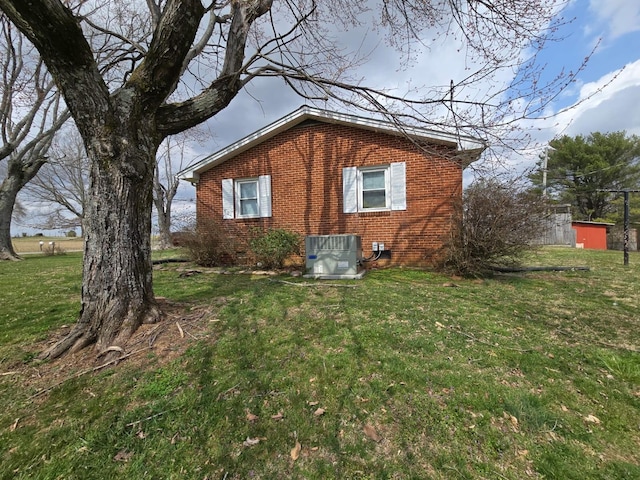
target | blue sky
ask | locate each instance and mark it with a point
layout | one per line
(597, 23)
(614, 26)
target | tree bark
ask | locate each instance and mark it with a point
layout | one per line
(164, 224)
(121, 138)
(121, 132)
(117, 292)
(8, 192)
(19, 172)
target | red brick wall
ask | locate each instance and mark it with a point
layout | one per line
(305, 164)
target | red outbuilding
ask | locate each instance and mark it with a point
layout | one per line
(591, 234)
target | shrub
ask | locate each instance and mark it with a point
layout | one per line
(71, 234)
(54, 249)
(496, 223)
(273, 247)
(211, 245)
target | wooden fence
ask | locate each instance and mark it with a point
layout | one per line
(558, 229)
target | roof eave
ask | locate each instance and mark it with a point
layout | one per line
(467, 157)
(189, 176)
(469, 149)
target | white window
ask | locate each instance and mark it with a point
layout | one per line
(371, 189)
(246, 198)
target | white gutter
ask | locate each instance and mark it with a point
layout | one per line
(467, 145)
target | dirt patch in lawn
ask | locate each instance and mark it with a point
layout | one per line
(154, 344)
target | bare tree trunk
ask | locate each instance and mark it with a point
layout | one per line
(164, 227)
(8, 192)
(117, 294)
(19, 173)
(164, 216)
(163, 198)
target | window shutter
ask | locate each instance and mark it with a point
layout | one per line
(398, 186)
(350, 189)
(264, 189)
(227, 198)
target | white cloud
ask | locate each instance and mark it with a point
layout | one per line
(605, 105)
(618, 17)
(608, 104)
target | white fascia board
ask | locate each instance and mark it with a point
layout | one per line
(247, 142)
(433, 136)
(472, 146)
(189, 176)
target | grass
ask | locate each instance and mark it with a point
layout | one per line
(404, 374)
(32, 244)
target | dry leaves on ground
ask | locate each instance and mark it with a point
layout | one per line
(295, 451)
(123, 456)
(251, 417)
(592, 419)
(250, 442)
(371, 433)
(513, 420)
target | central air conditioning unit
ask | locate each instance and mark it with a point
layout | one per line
(333, 256)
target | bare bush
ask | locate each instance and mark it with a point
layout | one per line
(494, 225)
(53, 249)
(212, 245)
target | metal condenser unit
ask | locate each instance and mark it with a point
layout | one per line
(333, 256)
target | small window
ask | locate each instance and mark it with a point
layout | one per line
(374, 189)
(247, 198)
(377, 188)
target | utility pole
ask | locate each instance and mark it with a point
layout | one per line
(625, 241)
(545, 165)
(545, 162)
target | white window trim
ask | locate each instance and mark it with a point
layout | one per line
(231, 197)
(237, 185)
(395, 188)
(387, 188)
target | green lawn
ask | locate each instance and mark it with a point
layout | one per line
(404, 374)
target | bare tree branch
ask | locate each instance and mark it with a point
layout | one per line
(64, 180)
(30, 115)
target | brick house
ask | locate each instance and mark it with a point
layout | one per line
(318, 173)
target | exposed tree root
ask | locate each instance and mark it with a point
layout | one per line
(163, 338)
(109, 341)
(8, 256)
(89, 370)
(64, 345)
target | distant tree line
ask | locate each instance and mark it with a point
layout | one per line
(581, 171)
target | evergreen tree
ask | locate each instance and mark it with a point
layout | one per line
(581, 169)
